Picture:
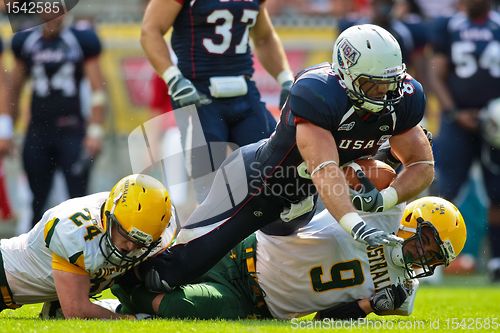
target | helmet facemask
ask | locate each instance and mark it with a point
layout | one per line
(426, 261)
(116, 257)
(364, 88)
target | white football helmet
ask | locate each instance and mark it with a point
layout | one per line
(490, 123)
(370, 52)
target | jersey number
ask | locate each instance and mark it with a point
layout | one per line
(223, 29)
(342, 275)
(63, 80)
(466, 65)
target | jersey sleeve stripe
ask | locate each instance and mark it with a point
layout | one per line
(49, 229)
(77, 259)
(61, 264)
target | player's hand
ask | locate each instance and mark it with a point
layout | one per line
(93, 146)
(468, 119)
(368, 199)
(182, 91)
(154, 283)
(373, 236)
(285, 91)
(5, 147)
(388, 299)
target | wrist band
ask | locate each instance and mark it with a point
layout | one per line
(6, 126)
(170, 73)
(390, 196)
(349, 220)
(95, 131)
(284, 76)
(322, 166)
(98, 98)
(420, 162)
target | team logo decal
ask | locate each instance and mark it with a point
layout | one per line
(384, 128)
(347, 127)
(348, 54)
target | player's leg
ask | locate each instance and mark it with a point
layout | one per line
(455, 149)
(74, 164)
(250, 121)
(39, 165)
(491, 174)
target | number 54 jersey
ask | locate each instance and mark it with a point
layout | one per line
(67, 238)
(322, 266)
(56, 67)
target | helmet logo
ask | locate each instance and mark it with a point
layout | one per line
(140, 236)
(347, 55)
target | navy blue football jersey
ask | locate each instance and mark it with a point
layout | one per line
(55, 66)
(473, 48)
(320, 97)
(210, 37)
(1, 46)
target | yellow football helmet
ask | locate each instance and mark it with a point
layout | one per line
(448, 229)
(139, 207)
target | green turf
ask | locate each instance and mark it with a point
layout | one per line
(437, 309)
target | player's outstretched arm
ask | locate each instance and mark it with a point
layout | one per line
(319, 150)
(414, 151)
(387, 299)
(73, 293)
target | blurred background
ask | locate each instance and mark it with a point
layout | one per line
(307, 28)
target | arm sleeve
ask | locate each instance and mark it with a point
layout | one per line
(344, 311)
(309, 102)
(63, 242)
(413, 107)
(89, 42)
(438, 35)
(16, 44)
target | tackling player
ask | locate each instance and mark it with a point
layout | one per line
(80, 246)
(317, 269)
(335, 114)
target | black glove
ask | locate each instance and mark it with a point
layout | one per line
(373, 236)
(285, 91)
(369, 198)
(389, 298)
(182, 91)
(154, 283)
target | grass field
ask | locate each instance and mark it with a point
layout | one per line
(462, 307)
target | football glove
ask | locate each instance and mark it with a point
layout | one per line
(181, 90)
(368, 199)
(154, 283)
(373, 236)
(389, 298)
(285, 91)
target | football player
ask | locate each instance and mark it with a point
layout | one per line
(335, 114)
(56, 58)
(466, 78)
(211, 41)
(80, 246)
(319, 269)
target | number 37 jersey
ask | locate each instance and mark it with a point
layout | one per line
(210, 37)
(56, 67)
(67, 238)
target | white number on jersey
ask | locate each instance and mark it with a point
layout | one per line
(62, 80)
(223, 29)
(466, 65)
